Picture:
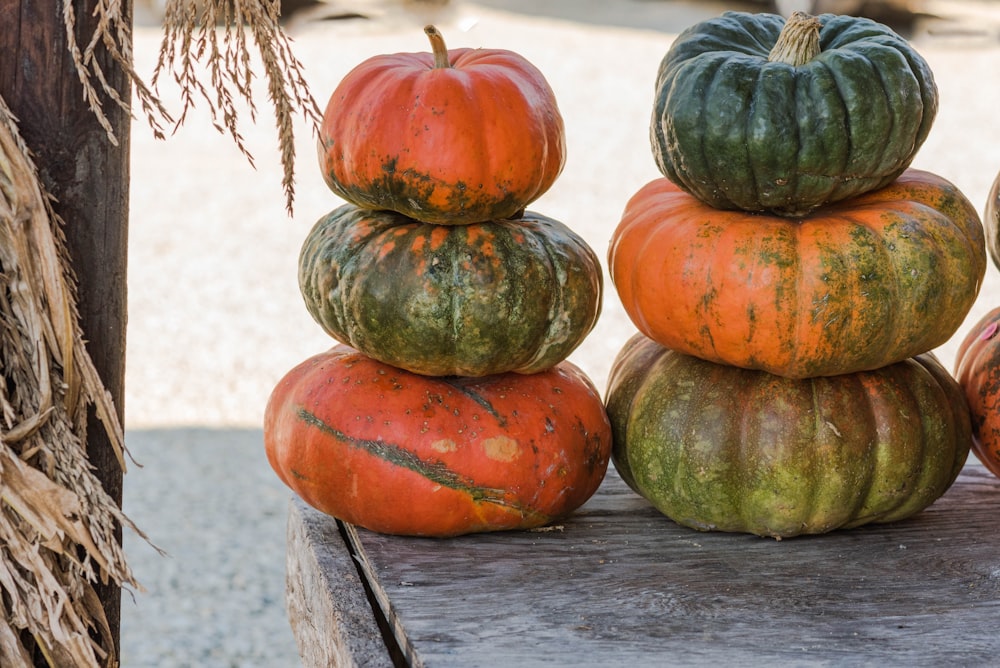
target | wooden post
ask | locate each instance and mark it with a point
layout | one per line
(89, 176)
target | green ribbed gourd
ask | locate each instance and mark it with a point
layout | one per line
(719, 448)
(755, 113)
(467, 300)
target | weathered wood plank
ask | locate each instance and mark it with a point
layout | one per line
(328, 610)
(619, 584)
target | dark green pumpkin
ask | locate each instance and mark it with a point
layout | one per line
(740, 131)
(716, 447)
(469, 300)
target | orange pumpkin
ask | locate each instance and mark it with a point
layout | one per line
(977, 369)
(449, 137)
(853, 286)
(400, 453)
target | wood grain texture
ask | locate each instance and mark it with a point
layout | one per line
(327, 605)
(620, 584)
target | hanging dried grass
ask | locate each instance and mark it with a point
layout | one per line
(204, 37)
(213, 37)
(114, 35)
(57, 524)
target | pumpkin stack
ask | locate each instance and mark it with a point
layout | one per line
(449, 406)
(789, 276)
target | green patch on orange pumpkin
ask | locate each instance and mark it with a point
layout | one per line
(434, 471)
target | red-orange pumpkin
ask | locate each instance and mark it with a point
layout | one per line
(853, 286)
(400, 453)
(977, 369)
(449, 137)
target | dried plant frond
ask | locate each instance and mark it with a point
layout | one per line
(206, 50)
(213, 37)
(58, 526)
(114, 33)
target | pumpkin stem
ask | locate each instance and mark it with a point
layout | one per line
(437, 44)
(798, 42)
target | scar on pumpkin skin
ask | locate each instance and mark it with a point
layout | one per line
(435, 472)
(478, 398)
(444, 445)
(502, 448)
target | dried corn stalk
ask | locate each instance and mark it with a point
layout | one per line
(57, 524)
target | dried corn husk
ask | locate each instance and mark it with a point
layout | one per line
(58, 526)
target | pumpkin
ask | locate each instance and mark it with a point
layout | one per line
(991, 221)
(977, 368)
(757, 114)
(716, 447)
(469, 300)
(853, 286)
(451, 137)
(400, 453)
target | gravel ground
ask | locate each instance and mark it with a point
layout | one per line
(216, 318)
(216, 597)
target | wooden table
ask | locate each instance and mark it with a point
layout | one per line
(618, 584)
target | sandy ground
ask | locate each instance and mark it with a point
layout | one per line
(215, 316)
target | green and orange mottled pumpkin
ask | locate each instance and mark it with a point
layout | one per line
(470, 300)
(853, 286)
(450, 137)
(401, 453)
(977, 368)
(719, 448)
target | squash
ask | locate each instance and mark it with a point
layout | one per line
(853, 286)
(450, 137)
(977, 368)
(469, 300)
(757, 114)
(991, 221)
(400, 453)
(715, 447)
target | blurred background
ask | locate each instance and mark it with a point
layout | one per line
(215, 317)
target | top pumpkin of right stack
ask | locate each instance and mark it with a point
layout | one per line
(759, 114)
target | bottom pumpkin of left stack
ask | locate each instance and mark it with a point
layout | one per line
(400, 453)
